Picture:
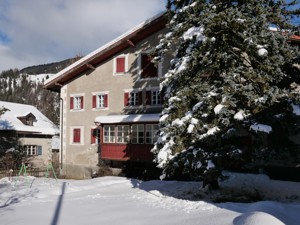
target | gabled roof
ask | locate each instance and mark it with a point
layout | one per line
(90, 61)
(10, 119)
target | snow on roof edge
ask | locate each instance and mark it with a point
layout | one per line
(128, 118)
(102, 48)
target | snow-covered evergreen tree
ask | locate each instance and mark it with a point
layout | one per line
(229, 78)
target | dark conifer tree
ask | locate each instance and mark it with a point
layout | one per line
(227, 83)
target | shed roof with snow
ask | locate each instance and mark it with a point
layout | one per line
(25, 119)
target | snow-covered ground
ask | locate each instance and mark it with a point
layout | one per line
(119, 200)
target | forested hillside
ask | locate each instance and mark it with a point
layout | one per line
(50, 68)
(26, 86)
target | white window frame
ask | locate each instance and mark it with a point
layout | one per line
(109, 134)
(123, 134)
(98, 95)
(77, 105)
(100, 101)
(77, 102)
(155, 98)
(138, 134)
(115, 64)
(31, 150)
(134, 98)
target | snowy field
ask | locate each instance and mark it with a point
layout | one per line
(122, 201)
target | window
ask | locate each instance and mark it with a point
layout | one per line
(137, 135)
(100, 101)
(76, 102)
(122, 133)
(148, 68)
(109, 134)
(76, 135)
(95, 135)
(120, 64)
(151, 136)
(133, 98)
(32, 150)
(28, 119)
(153, 97)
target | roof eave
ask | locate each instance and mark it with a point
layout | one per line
(118, 44)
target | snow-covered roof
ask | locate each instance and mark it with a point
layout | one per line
(86, 60)
(128, 118)
(10, 119)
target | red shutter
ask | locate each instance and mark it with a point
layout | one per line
(94, 101)
(105, 101)
(81, 102)
(148, 97)
(71, 103)
(140, 94)
(93, 138)
(120, 67)
(126, 99)
(76, 135)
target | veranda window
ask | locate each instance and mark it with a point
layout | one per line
(109, 134)
(137, 134)
(123, 133)
(151, 133)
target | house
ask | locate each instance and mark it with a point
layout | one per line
(25, 127)
(110, 102)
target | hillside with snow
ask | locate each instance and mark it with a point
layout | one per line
(26, 87)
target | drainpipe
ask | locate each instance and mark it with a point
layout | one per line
(61, 131)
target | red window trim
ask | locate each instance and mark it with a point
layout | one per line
(126, 99)
(93, 138)
(105, 101)
(71, 102)
(94, 101)
(81, 102)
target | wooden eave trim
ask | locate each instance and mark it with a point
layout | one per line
(131, 43)
(58, 84)
(90, 66)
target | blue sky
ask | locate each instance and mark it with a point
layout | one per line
(43, 31)
(36, 32)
